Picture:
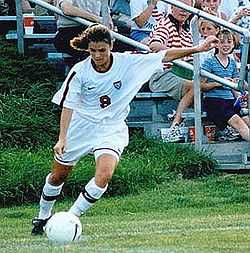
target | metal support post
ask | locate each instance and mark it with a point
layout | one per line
(243, 64)
(196, 85)
(19, 22)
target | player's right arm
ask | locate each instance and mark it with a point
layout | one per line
(176, 53)
(66, 116)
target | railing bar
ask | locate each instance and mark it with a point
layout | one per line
(134, 43)
(200, 13)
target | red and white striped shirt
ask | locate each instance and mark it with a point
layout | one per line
(167, 33)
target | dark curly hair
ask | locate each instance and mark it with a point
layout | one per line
(94, 33)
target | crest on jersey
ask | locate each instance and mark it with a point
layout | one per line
(118, 84)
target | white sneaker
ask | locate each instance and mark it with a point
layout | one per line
(175, 134)
(228, 134)
(171, 116)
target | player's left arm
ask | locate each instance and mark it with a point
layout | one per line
(176, 53)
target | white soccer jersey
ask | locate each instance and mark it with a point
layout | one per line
(106, 96)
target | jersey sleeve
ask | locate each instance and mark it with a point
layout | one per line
(69, 94)
(143, 65)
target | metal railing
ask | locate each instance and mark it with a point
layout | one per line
(196, 68)
(197, 71)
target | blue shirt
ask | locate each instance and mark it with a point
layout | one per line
(214, 66)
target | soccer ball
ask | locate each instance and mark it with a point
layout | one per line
(63, 228)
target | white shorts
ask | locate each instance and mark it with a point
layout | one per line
(84, 137)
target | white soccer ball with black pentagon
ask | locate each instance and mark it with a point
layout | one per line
(63, 228)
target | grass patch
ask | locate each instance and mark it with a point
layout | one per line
(144, 165)
(211, 221)
(27, 84)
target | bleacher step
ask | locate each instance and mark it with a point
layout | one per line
(233, 167)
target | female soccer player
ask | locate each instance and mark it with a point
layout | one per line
(95, 101)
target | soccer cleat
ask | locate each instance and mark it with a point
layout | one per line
(38, 226)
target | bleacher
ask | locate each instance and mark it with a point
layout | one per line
(148, 110)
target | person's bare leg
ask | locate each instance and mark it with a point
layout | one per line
(239, 124)
(247, 120)
(185, 102)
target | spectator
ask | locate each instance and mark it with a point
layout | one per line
(144, 15)
(212, 7)
(219, 102)
(232, 8)
(45, 26)
(172, 31)
(207, 28)
(241, 17)
(68, 29)
(120, 12)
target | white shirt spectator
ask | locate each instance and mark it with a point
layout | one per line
(138, 6)
(230, 8)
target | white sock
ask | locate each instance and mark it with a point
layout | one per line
(49, 195)
(87, 198)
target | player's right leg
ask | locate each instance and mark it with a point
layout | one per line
(51, 191)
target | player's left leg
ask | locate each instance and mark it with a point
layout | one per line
(105, 166)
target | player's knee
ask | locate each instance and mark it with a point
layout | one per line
(103, 176)
(59, 173)
(57, 178)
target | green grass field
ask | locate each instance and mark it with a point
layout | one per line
(209, 215)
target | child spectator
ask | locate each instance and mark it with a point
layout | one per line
(207, 28)
(219, 102)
